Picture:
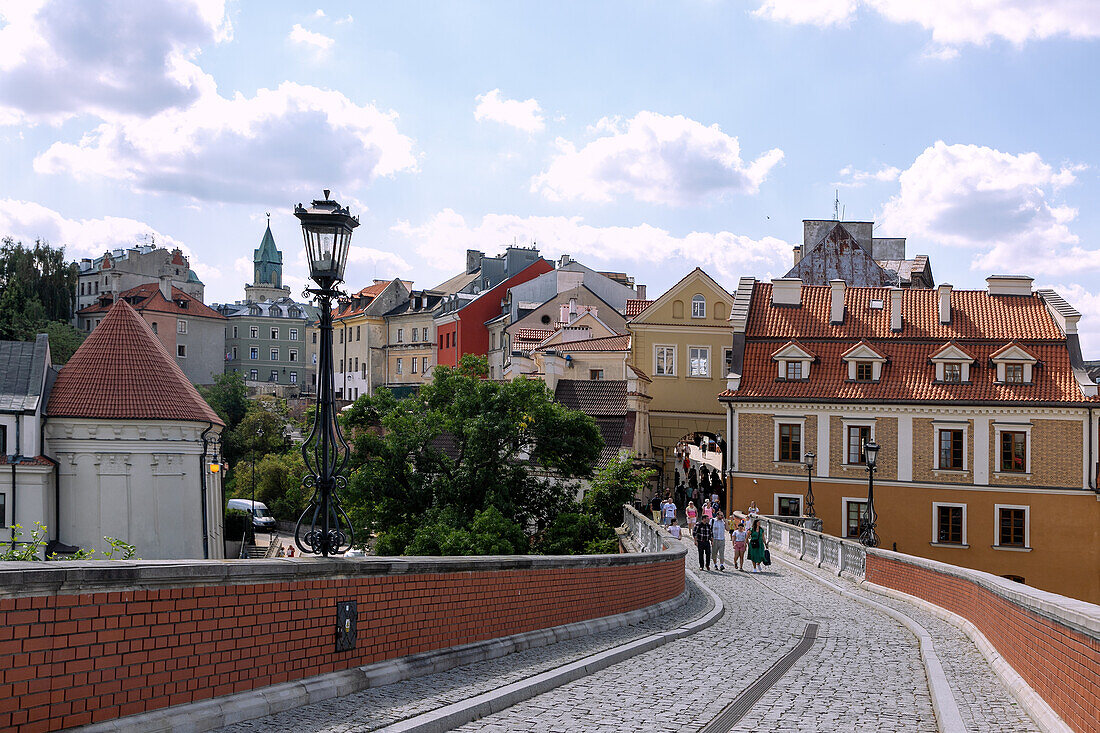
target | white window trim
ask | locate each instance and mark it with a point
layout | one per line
(254, 332)
(274, 333)
(292, 355)
(997, 527)
(775, 502)
(178, 354)
(703, 298)
(274, 354)
(999, 428)
(293, 334)
(844, 502)
(1001, 371)
(778, 420)
(937, 426)
(181, 326)
(805, 369)
(674, 358)
(845, 423)
(709, 373)
(935, 519)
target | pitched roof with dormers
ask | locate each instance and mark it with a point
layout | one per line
(122, 371)
(982, 326)
(604, 343)
(148, 297)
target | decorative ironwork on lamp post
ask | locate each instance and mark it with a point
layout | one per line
(324, 527)
(867, 536)
(809, 460)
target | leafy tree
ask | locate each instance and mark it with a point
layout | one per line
(44, 275)
(278, 484)
(228, 396)
(489, 533)
(258, 433)
(575, 534)
(619, 482)
(466, 444)
(64, 340)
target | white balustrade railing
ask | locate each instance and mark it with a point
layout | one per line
(645, 532)
(816, 548)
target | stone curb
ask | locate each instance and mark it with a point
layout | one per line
(1035, 706)
(466, 711)
(216, 712)
(948, 717)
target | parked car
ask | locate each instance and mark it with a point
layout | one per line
(262, 521)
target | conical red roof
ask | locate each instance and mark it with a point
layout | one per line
(122, 371)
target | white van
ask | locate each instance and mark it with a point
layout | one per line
(261, 517)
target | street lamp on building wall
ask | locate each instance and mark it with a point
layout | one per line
(809, 459)
(867, 536)
(324, 527)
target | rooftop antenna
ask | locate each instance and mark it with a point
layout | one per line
(836, 205)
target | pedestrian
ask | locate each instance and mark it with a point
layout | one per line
(281, 552)
(703, 537)
(655, 507)
(290, 551)
(708, 510)
(718, 530)
(692, 515)
(714, 500)
(674, 528)
(753, 510)
(740, 544)
(669, 510)
(757, 546)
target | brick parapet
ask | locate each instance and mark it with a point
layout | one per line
(85, 642)
(1051, 641)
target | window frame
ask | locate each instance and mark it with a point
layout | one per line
(254, 332)
(936, 541)
(844, 504)
(791, 443)
(706, 364)
(999, 432)
(1012, 366)
(667, 349)
(181, 326)
(699, 300)
(848, 425)
(294, 377)
(869, 367)
(254, 375)
(937, 445)
(292, 355)
(777, 421)
(955, 368)
(274, 377)
(397, 366)
(997, 544)
(595, 375)
(796, 364)
(293, 334)
(181, 351)
(777, 500)
(274, 354)
(253, 353)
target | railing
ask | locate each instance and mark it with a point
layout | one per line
(825, 551)
(647, 535)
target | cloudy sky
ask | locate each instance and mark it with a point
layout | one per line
(648, 137)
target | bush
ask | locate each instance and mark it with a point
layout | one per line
(578, 534)
(236, 524)
(488, 533)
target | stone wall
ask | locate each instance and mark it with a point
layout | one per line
(926, 453)
(84, 642)
(1052, 642)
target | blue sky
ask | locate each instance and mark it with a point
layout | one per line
(648, 137)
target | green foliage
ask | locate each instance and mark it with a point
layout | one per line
(259, 431)
(465, 444)
(278, 484)
(489, 533)
(228, 396)
(64, 340)
(27, 550)
(574, 533)
(619, 482)
(38, 295)
(236, 524)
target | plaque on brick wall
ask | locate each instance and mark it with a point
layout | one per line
(346, 614)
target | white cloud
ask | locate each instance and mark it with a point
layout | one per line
(526, 115)
(954, 22)
(1000, 205)
(345, 19)
(318, 13)
(389, 262)
(444, 238)
(1087, 302)
(273, 146)
(317, 43)
(854, 178)
(59, 59)
(656, 159)
(28, 221)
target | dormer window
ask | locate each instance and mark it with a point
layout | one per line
(793, 362)
(865, 371)
(698, 306)
(1013, 364)
(952, 372)
(794, 370)
(864, 363)
(952, 364)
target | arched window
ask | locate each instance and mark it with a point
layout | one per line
(698, 306)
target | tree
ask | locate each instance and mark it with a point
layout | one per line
(228, 396)
(44, 274)
(619, 482)
(278, 484)
(259, 432)
(64, 340)
(465, 444)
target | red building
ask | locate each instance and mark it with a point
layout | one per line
(460, 327)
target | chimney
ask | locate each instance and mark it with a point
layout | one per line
(564, 317)
(797, 254)
(786, 291)
(166, 287)
(641, 292)
(836, 302)
(1009, 284)
(944, 293)
(896, 295)
(473, 260)
(572, 306)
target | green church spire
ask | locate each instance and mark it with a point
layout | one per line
(268, 261)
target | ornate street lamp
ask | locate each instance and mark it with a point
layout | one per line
(809, 459)
(867, 536)
(324, 527)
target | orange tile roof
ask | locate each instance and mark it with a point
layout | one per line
(634, 307)
(532, 334)
(907, 375)
(148, 297)
(122, 371)
(604, 343)
(975, 314)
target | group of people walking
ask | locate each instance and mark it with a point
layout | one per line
(709, 528)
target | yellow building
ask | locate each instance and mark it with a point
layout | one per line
(410, 350)
(682, 341)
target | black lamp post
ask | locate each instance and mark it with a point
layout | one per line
(324, 527)
(809, 459)
(868, 537)
(252, 524)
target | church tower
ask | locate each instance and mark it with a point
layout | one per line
(267, 268)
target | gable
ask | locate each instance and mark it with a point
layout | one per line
(675, 305)
(792, 351)
(1012, 352)
(951, 352)
(838, 256)
(862, 352)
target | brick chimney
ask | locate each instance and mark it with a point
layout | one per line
(944, 298)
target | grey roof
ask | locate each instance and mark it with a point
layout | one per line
(429, 301)
(237, 310)
(597, 398)
(22, 370)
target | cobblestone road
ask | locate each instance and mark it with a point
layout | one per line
(864, 673)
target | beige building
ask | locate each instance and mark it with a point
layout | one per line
(682, 341)
(410, 346)
(360, 338)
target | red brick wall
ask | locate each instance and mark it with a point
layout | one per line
(1060, 663)
(69, 660)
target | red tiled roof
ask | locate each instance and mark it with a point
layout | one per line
(975, 314)
(604, 343)
(148, 297)
(532, 334)
(35, 461)
(122, 371)
(907, 375)
(634, 307)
